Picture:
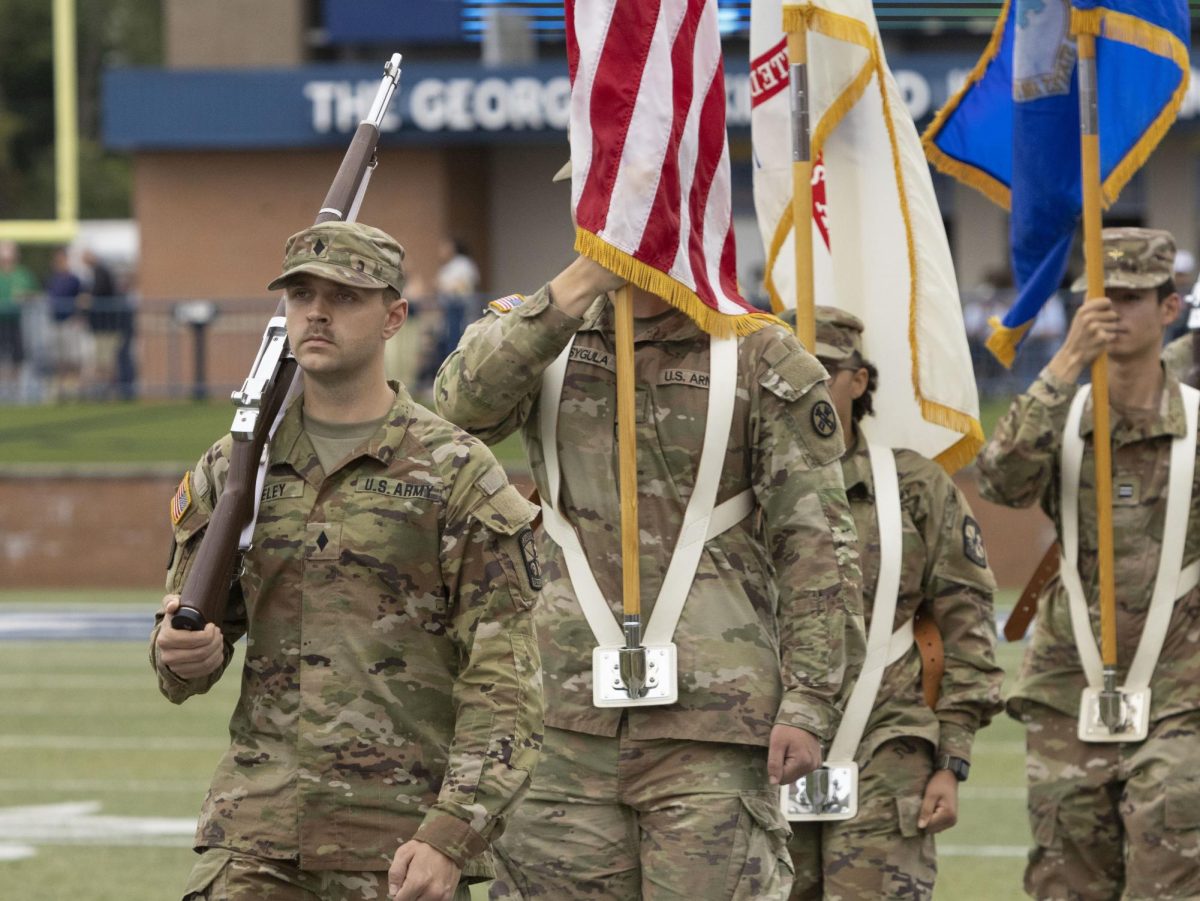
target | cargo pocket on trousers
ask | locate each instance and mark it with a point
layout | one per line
(760, 856)
(1181, 804)
(908, 811)
(1043, 823)
(204, 874)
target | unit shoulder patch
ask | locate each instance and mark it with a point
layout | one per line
(973, 542)
(824, 419)
(507, 304)
(533, 569)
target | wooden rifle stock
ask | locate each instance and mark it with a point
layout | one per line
(211, 575)
(350, 174)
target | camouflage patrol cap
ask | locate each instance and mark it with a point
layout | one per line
(1137, 258)
(348, 253)
(839, 334)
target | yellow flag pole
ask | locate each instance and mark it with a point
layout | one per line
(796, 26)
(632, 659)
(1093, 251)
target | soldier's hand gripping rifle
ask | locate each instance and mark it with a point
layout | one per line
(262, 396)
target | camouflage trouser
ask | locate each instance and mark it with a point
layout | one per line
(880, 853)
(222, 875)
(615, 818)
(1113, 820)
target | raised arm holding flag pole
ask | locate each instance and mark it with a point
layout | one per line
(746, 590)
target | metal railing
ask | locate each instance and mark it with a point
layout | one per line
(124, 348)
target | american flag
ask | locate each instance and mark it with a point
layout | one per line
(182, 499)
(650, 157)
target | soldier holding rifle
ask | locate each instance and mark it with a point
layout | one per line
(1114, 788)
(390, 712)
(642, 796)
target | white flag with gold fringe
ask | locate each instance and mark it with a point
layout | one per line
(879, 245)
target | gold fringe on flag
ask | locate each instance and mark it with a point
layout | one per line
(1003, 340)
(983, 182)
(1127, 29)
(677, 294)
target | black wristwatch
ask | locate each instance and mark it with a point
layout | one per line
(956, 765)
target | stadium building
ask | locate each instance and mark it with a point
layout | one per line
(236, 139)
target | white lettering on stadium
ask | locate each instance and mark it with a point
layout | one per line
(531, 104)
(453, 104)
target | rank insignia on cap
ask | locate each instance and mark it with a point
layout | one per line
(182, 501)
(824, 419)
(507, 304)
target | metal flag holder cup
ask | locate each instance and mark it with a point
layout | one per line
(828, 793)
(635, 674)
(1112, 714)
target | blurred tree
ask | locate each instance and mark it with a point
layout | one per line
(109, 33)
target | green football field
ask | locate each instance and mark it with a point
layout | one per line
(174, 432)
(101, 778)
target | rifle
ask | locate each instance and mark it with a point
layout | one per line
(262, 396)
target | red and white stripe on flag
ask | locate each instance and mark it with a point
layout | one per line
(650, 157)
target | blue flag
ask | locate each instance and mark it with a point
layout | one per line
(1012, 131)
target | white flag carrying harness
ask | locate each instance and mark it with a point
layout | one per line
(1171, 583)
(702, 520)
(831, 791)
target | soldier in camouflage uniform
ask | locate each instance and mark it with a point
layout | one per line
(391, 708)
(911, 758)
(672, 801)
(1121, 819)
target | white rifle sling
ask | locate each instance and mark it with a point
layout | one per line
(830, 793)
(295, 389)
(1172, 581)
(701, 521)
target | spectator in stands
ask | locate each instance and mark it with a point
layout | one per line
(63, 289)
(108, 318)
(457, 283)
(17, 284)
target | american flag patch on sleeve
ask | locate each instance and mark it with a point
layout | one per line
(182, 499)
(507, 304)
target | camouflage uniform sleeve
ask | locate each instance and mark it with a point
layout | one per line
(488, 384)
(202, 487)
(958, 586)
(491, 568)
(1177, 357)
(1016, 467)
(810, 536)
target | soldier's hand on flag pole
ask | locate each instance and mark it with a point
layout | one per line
(420, 872)
(792, 753)
(1094, 328)
(939, 809)
(189, 655)
(574, 289)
